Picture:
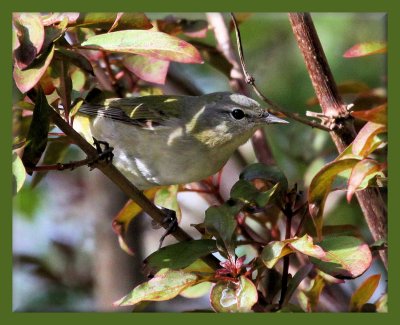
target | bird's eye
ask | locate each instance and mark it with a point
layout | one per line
(237, 114)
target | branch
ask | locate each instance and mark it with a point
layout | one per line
(276, 109)
(120, 180)
(370, 201)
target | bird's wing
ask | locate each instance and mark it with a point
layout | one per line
(147, 111)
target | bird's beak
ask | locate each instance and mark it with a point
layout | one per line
(272, 119)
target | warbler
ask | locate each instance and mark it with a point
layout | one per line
(165, 140)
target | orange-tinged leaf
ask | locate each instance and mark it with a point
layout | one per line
(157, 45)
(28, 78)
(376, 115)
(29, 34)
(275, 250)
(364, 292)
(165, 285)
(346, 257)
(124, 217)
(367, 140)
(366, 168)
(147, 68)
(320, 187)
(367, 48)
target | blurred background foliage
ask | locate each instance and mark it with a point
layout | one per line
(67, 257)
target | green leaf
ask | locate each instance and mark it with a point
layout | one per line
(220, 222)
(320, 187)
(364, 292)
(75, 58)
(296, 280)
(148, 43)
(275, 250)
(367, 139)
(230, 297)
(346, 257)
(38, 131)
(28, 78)
(362, 172)
(106, 20)
(311, 296)
(269, 173)
(165, 285)
(246, 192)
(54, 153)
(367, 48)
(377, 114)
(147, 68)
(167, 198)
(18, 172)
(28, 38)
(180, 255)
(197, 291)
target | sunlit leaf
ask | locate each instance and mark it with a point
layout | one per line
(147, 68)
(38, 131)
(165, 285)
(363, 171)
(275, 250)
(27, 79)
(376, 115)
(364, 292)
(148, 43)
(367, 48)
(29, 34)
(197, 291)
(18, 172)
(367, 139)
(230, 297)
(381, 304)
(125, 216)
(320, 187)
(346, 257)
(180, 255)
(313, 293)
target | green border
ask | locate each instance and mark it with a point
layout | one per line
(204, 5)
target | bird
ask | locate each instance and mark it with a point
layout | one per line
(162, 140)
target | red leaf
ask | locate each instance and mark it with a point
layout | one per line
(363, 169)
(147, 68)
(367, 48)
(366, 140)
(377, 114)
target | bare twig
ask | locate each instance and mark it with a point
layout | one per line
(275, 108)
(332, 105)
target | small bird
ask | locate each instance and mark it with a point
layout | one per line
(164, 139)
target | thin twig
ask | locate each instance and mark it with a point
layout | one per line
(275, 108)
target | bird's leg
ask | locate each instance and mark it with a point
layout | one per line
(170, 223)
(104, 153)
